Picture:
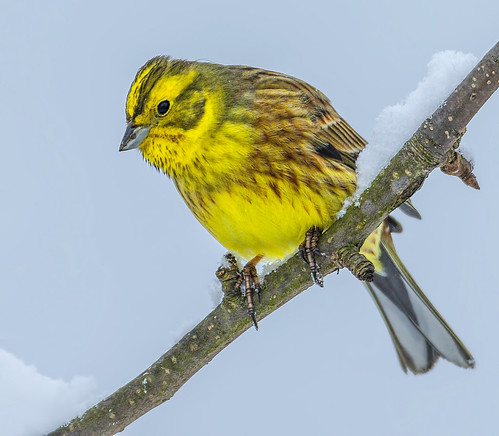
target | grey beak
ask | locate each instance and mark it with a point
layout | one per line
(133, 137)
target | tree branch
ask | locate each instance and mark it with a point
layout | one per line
(430, 147)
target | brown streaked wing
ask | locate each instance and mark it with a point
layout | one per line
(329, 134)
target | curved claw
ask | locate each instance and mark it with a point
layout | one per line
(317, 276)
(252, 314)
(308, 250)
(258, 293)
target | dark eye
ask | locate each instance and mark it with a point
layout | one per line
(163, 107)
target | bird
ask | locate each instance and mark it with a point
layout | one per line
(265, 162)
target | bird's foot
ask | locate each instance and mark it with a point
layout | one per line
(249, 278)
(308, 250)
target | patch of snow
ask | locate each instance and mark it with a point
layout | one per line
(215, 293)
(224, 263)
(396, 124)
(266, 267)
(34, 404)
(178, 333)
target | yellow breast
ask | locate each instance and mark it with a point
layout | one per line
(253, 219)
(257, 205)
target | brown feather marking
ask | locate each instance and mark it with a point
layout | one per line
(275, 188)
(312, 117)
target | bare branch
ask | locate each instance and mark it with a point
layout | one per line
(430, 147)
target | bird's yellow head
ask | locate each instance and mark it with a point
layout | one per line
(171, 103)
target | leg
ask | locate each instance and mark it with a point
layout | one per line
(251, 285)
(308, 249)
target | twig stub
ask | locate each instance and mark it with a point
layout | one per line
(459, 166)
(350, 258)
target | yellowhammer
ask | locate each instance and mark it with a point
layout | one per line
(264, 162)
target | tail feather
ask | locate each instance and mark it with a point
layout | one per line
(418, 331)
(408, 208)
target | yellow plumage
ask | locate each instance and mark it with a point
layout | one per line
(261, 158)
(253, 164)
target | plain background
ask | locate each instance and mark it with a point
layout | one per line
(102, 266)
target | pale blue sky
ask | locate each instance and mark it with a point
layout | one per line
(88, 281)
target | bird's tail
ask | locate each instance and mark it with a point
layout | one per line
(419, 333)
